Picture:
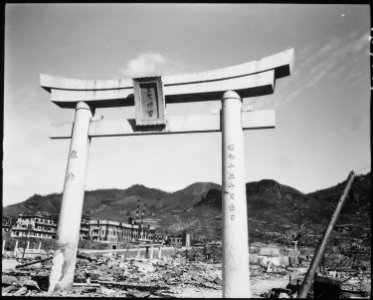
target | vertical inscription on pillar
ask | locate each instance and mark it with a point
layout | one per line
(73, 154)
(149, 101)
(70, 176)
(231, 181)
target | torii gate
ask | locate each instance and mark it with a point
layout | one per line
(150, 95)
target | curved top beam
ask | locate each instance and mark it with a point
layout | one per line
(246, 86)
(281, 62)
(249, 79)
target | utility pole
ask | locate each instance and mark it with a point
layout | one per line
(307, 283)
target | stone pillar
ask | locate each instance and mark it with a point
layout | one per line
(39, 246)
(64, 260)
(151, 252)
(15, 249)
(3, 246)
(295, 250)
(236, 276)
(160, 252)
(187, 240)
(138, 252)
(27, 249)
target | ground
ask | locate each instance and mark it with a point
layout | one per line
(180, 275)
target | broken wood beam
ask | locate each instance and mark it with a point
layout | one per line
(85, 256)
(86, 284)
(49, 258)
(134, 286)
(33, 263)
(307, 283)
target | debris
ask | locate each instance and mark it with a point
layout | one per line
(327, 288)
(85, 256)
(86, 284)
(278, 293)
(218, 281)
(134, 286)
(103, 275)
(137, 294)
(8, 289)
(42, 280)
(9, 280)
(107, 292)
(34, 262)
(294, 288)
(31, 285)
(21, 291)
(284, 295)
(143, 267)
(9, 264)
(89, 290)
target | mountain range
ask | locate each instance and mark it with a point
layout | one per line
(275, 211)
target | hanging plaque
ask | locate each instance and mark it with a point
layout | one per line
(149, 101)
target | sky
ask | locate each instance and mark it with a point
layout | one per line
(322, 110)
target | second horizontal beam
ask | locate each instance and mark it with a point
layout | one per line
(176, 124)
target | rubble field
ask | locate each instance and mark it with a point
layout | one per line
(179, 276)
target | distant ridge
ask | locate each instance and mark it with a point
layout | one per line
(117, 204)
(274, 208)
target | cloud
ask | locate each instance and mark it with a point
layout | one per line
(145, 64)
(362, 43)
(339, 59)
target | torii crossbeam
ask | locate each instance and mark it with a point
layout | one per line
(150, 95)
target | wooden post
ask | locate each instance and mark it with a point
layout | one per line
(62, 273)
(303, 292)
(236, 277)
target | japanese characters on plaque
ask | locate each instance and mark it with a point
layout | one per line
(149, 101)
(231, 181)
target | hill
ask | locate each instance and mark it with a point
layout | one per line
(116, 204)
(275, 212)
(278, 212)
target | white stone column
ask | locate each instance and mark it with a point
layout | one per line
(236, 274)
(295, 247)
(64, 260)
(151, 252)
(3, 246)
(39, 246)
(15, 249)
(138, 252)
(160, 252)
